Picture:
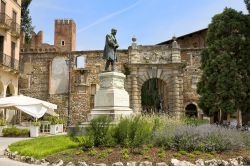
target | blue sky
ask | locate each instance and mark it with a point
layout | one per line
(151, 21)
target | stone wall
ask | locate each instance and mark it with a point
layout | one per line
(180, 81)
(178, 68)
(191, 76)
(35, 80)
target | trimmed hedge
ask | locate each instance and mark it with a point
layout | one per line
(15, 132)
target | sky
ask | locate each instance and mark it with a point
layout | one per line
(150, 21)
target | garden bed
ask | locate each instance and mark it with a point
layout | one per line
(113, 155)
(154, 139)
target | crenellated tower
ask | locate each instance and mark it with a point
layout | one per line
(65, 35)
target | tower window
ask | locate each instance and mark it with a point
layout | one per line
(62, 43)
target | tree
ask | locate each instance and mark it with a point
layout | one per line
(224, 85)
(247, 2)
(26, 21)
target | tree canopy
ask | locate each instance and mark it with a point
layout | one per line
(247, 2)
(26, 21)
(225, 82)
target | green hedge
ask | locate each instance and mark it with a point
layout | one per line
(15, 132)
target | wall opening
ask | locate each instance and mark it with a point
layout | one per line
(191, 110)
(10, 90)
(154, 97)
(62, 43)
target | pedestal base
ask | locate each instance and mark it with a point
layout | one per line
(114, 112)
(111, 99)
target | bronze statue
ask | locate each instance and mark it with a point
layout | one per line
(110, 50)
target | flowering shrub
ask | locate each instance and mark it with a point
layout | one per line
(163, 135)
(180, 134)
(208, 138)
(133, 132)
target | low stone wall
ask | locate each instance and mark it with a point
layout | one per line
(239, 161)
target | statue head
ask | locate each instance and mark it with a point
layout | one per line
(113, 31)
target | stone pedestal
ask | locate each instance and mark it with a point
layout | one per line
(111, 99)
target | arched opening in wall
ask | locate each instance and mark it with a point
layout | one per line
(154, 97)
(10, 91)
(191, 110)
(1, 90)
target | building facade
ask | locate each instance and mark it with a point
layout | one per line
(173, 66)
(10, 19)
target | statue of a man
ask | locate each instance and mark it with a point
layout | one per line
(110, 50)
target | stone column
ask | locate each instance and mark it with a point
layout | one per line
(135, 100)
(176, 53)
(176, 97)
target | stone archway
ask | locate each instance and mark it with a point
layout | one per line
(191, 110)
(156, 62)
(169, 76)
(10, 90)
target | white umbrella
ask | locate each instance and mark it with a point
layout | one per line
(32, 106)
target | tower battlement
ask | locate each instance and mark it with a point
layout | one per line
(65, 34)
(64, 21)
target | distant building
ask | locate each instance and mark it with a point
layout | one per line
(10, 19)
(192, 40)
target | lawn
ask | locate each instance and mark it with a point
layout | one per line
(43, 146)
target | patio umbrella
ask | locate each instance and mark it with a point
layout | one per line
(32, 106)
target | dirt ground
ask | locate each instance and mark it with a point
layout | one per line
(155, 155)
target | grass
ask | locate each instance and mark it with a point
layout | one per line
(43, 146)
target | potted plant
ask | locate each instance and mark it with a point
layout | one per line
(60, 125)
(2, 126)
(34, 129)
(54, 127)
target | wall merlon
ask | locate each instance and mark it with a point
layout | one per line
(64, 21)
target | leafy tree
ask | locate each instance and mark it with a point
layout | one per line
(247, 2)
(26, 21)
(224, 85)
